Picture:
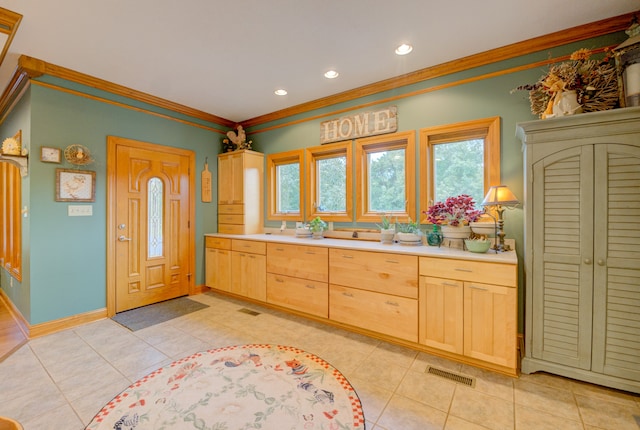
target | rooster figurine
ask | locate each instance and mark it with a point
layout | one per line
(239, 139)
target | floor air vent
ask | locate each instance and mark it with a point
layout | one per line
(249, 311)
(452, 376)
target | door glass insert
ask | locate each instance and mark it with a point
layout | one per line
(155, 203)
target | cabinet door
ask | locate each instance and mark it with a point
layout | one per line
(490, 321)
(230, 178)
(616, 291)
(562, 257)
(218, 269)
(248, 276)
(441, 314)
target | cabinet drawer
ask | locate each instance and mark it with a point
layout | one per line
(231, 209)
(230, 219)
(231, 228)
(375, 271)
(308, 262)
(250, 246)
(474, 271)
(382, 313)
(217, 242)
(299, 294)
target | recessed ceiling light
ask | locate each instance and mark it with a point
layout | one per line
(331, 74)
(404, 49)
(281, 92)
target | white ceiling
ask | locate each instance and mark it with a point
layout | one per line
(227, 57)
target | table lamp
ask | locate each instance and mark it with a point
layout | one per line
(501, 197)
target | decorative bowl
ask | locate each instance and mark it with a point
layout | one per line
(483, 228)
(477, 245)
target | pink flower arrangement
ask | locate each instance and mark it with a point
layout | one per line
(454, 211)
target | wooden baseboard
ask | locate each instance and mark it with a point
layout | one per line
(199, 289)
(42, 329)
(49, 327)
(22, 322)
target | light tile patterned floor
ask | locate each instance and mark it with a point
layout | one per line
(60, 381)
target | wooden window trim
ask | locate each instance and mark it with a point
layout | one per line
(316, 153)
(273, 161)
(10, 215)
(386, 142)
(487, 128)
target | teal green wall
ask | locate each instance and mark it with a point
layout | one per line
(480, 99)
(64, 258)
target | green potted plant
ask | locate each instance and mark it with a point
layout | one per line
(317, 227)
(387, 229)
(409, 233)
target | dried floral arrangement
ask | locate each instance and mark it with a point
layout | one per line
(595, 82)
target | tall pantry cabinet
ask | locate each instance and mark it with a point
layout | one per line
(582, 247)
(240, 192)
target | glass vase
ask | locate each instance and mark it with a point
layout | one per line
(434, 237)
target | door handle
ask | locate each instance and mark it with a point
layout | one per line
(122, 238)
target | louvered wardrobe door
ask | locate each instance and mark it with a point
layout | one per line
(562, 257)
(616, 338)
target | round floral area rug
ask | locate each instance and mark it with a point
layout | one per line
(269, 387)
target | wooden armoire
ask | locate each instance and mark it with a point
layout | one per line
(582, 247)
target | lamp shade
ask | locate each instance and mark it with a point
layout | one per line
(500, 195)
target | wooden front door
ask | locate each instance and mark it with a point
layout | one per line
(150, 221)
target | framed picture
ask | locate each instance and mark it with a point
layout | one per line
(75, 185)
(50, 155)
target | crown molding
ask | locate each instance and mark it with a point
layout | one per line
(552, 40)
(34, 68)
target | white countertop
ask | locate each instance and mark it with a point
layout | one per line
(508, 257)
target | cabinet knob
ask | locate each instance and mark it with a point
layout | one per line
(587, 261)
(600, 262)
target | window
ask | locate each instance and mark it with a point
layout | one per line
(385, 173)
(329, 185)
(461, 158)
(155, 208)
(10, 219)
(284, 185)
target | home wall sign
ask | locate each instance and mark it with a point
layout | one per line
(359, 125)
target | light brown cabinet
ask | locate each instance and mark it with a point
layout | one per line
(463, 309)
(240, 191)
(375, 291)
(297, 278)
(395, 274)
(218, 263)
(470, 308)
(248, 269)
(382, 313)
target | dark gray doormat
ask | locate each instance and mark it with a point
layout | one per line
(149, 315)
